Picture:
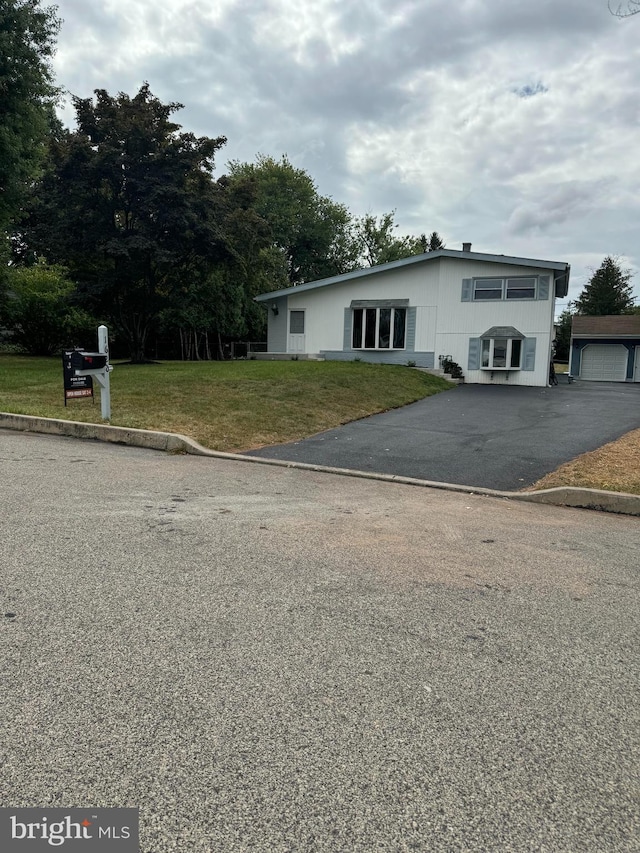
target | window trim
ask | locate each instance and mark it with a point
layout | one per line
(364, 328)
(477, 285)
(291, 313)
(508, 353)
(515, 289)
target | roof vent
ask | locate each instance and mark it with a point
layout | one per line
(466, 247)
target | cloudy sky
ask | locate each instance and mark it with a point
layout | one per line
(511, 124)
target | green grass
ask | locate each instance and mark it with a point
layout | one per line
(223, 405)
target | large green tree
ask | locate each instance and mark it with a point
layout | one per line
(40, 313)
(130, 206)
(608, 291)
(309, 234)
(28, 34)
(377, 242)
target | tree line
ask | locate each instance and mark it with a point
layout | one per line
(122, 219)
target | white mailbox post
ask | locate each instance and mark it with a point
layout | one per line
(96, 364)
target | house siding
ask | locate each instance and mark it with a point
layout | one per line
(460, 320)
(326, 308)
(442, 319)
(277, 326)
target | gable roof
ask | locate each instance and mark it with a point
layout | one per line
(609, 326)
(562, 280)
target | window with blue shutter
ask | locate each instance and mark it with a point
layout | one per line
(376, 326)
(346, 342)
(473, 362)
(529, 354)
(543, 287)
(501, 348)
(522, 287)
(411, 329)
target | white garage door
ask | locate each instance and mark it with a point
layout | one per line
(604, 362)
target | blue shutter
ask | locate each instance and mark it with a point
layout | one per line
(467, 289)
(474, 354)
(346, 342)
(410, 344)
(543, 287)
(528, 354)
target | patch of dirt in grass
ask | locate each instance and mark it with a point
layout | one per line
(615, 467)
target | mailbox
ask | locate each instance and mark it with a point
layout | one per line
(88, 360)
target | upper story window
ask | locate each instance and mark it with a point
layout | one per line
(487, 288)
(379, 328)
(505, 288)
(521, 288)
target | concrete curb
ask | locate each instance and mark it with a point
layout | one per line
(615, 502)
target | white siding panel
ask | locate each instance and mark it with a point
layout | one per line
(426, 317)
(324, 317)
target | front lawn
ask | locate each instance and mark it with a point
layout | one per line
(235, 405)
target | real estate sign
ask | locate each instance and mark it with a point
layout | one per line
(74, 386)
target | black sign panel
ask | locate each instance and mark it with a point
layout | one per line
(74, 386)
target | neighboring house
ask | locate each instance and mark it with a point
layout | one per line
(492, 314)
(606, 348)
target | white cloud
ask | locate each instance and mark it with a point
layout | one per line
(509, 123)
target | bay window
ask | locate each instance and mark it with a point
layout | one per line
(501, 353)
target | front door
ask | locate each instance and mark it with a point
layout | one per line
(296, 332)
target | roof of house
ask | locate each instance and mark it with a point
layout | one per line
(560, 266)
(609, 326)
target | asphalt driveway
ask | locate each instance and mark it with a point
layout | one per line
(478, 435)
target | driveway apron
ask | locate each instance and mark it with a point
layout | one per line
(487, 436)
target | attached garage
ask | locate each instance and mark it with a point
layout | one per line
(606, 349)
(604, 363)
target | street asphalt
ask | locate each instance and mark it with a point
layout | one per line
(487, 436)
(272, 659)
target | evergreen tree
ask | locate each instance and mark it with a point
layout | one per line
(563, 335)
(608, 291)
(434, 242)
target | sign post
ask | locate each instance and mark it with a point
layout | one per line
(89, 365)
(103, 379)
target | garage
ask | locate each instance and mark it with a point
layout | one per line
(605, 349)
(604, 362)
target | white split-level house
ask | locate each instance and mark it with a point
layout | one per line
(492, 314)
